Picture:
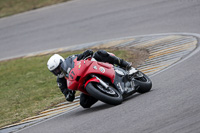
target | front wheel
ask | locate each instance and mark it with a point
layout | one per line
(108, 95)
(143, 82)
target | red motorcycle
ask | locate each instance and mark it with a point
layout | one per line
(105, 82)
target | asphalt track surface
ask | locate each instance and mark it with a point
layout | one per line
(172, 105)
(78, 22)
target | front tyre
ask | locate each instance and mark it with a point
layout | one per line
(108, 95)
(143, 82)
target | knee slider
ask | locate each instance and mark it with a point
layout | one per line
(84, 104)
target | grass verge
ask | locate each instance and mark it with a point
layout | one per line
(27, 87)
(11, 7)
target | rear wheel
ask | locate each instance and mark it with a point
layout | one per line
(143, 82)
(108, 95)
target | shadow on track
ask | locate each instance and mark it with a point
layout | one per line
(99, 106)
(95, 108)
(131, 97)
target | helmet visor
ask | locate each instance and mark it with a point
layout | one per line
(56, 71)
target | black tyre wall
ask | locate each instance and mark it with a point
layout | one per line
(102, 96)
(144, 86)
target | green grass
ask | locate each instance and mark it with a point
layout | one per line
(10, 7)
(27, 87)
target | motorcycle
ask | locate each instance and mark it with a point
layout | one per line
(103, 81)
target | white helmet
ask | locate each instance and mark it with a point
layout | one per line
(54, 63)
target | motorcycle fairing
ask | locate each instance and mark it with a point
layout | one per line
(83, 68)
(122, 83)
(118, 82)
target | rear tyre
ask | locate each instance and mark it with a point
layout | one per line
(143, 82)
(109, 96)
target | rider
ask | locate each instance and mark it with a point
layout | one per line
(54, 65)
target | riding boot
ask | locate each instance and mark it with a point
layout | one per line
(128, 66)
(124, 64)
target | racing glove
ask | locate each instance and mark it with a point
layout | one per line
(70, 96)
(85, 54)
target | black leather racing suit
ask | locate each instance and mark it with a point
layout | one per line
(87, 101)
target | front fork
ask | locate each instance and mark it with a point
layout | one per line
(101, 82)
